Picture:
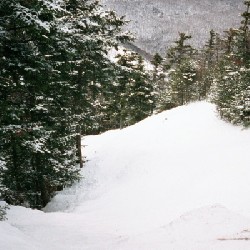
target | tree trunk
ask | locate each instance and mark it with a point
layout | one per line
(79, 145)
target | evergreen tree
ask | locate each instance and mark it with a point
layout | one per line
(159, 83)
(53, 59)
(37, 145)
(157, 63)
(232, 83)
(182, 83)
(140, 99)
(182, 72)
(207, 60)
(210, 48)
(244, 35)
(134, 100)
(95, 32)
(180, 51)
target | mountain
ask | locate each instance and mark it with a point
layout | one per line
(156, 23)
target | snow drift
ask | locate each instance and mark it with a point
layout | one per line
(177, 180)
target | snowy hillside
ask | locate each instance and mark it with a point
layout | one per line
(178, 180)
(156, 23)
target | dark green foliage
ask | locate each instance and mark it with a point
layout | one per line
(233, 76)
(53, 64)
(35, 125)
(182, 72)
(210, 49)
(206, 62)
(179, 52)
(133, 100)
(182, 83)
(157, 60)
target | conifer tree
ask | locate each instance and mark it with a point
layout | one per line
(157, 63)
(182, 74)
(244, 49)
(158, 76)
(180, 51)
(53, 59)
(134, 100)
(35, 120)
(233, 76)
(140, 99)
(207, 60)
(95, 33)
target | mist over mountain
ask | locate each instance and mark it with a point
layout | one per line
(156, 23)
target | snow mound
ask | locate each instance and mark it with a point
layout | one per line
(177, 180)
(205, 228)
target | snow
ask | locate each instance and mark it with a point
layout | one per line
(113, 53)
(177, 180)
(156, 23)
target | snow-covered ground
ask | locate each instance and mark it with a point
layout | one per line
(179, 180)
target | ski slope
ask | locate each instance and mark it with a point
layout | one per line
(179, 180)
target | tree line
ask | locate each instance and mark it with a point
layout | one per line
(218, 72)
(58, 82)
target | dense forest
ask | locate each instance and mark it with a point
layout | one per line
(58, 82)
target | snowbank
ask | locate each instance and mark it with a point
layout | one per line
(177, 180)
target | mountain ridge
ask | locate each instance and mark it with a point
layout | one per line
(156, 24)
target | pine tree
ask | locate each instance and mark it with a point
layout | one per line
(207, 60)
(233, 76)
(210, 49)
(157, 60)
(183, 83)
(53, 59)
(95, 33)
(133, 100)
(180, 51)
(140, 99)
(182, 72)
(244, 46)
(34, 108)
(158, 76)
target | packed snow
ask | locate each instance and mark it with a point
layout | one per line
(178, 180)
